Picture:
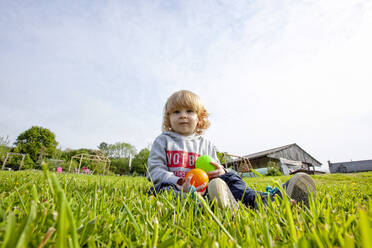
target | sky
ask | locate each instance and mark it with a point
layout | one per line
(270, 73)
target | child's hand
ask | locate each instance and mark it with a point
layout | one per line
(186, 186)
(183, 185)
(219, 171)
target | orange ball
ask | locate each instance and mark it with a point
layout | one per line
(198, 178)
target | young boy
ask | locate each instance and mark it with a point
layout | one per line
(175, 151)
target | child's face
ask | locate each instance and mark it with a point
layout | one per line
(184, 121)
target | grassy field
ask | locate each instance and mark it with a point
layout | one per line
(68, 210)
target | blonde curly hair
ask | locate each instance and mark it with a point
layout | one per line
(189, 100)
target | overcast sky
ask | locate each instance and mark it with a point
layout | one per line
(270, 73)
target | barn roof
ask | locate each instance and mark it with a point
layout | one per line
(291, 151)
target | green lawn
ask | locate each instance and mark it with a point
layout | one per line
(69, 210)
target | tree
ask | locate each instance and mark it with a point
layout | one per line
(38, 142)
(103, 147)
(139, 162)
(119, 154)
(117, 150)
(120, 166)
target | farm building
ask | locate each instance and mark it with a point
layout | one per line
(351, 166)
(288, 159)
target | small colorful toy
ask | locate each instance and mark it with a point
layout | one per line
(198, 178)
(203, 162)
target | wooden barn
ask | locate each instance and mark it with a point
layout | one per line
(288, 159)
(350, 167)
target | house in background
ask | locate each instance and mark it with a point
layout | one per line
(289, 159)
(351, 166)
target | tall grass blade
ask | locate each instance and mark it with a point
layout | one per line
(206, 207)
(48, 234)
(131, 217)
(365, 229)
(26, 233)
(9, 232)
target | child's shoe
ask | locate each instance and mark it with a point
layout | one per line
(219, 190)
(299, 188)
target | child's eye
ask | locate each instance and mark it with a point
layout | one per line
(190, 111)
(176, 112)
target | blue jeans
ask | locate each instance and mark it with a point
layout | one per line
(243, 193)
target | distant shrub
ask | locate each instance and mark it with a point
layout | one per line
(53, 164)
(14, 162)
(3, 152)
(120, 166)
(273, 171)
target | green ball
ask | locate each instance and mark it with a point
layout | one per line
(203, 162)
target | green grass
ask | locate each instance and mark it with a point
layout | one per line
(67, 210)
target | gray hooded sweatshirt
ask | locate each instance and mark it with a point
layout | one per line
(172, 155)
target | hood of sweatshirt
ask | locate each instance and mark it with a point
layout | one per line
(182, 137)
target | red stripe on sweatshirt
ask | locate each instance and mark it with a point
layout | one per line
(181, 159)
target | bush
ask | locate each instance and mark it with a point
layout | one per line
(14, 162)
(3, 151)
(53, 164)
(120, 166)
(273, 171)
(139, 162)
(138, 169)
(97, 167)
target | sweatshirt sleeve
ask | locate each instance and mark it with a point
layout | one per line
(157, 164)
